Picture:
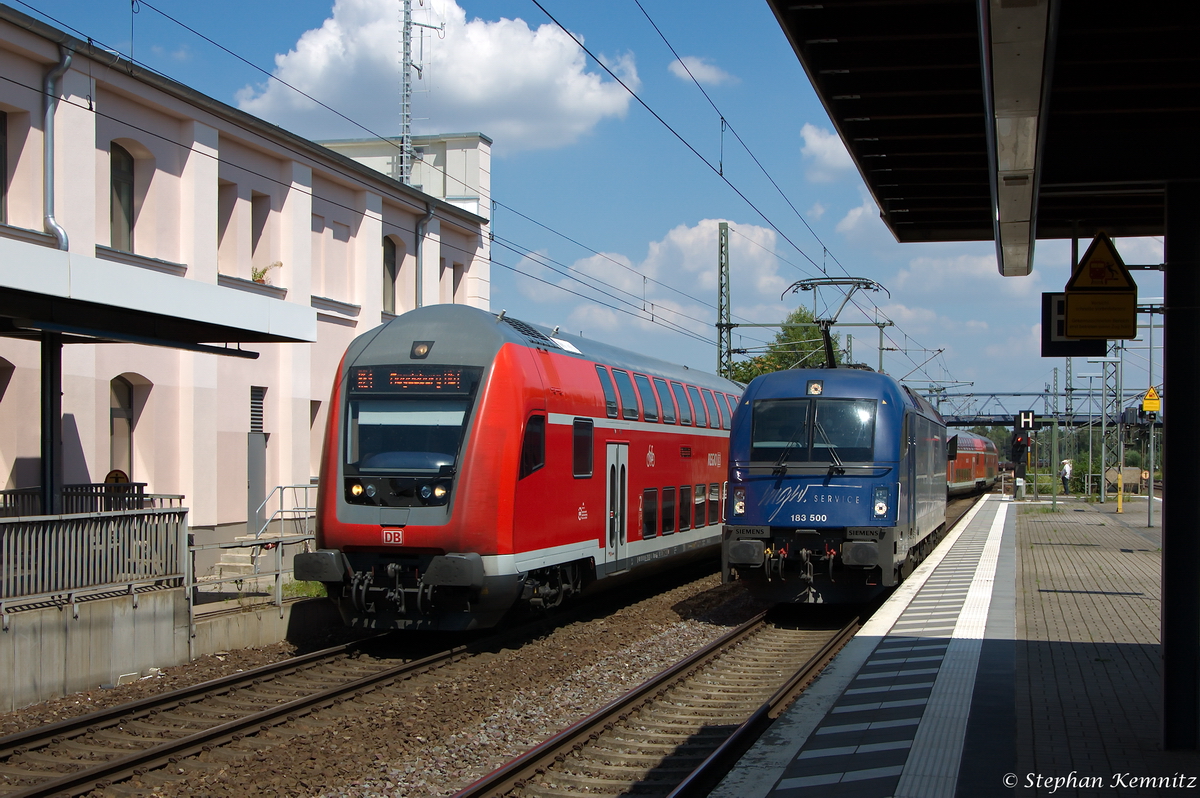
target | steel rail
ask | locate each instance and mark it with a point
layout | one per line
(534, 762)
(701, 781)
(104, 773)
(101, 718)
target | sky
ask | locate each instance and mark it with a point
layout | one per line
(608, 207)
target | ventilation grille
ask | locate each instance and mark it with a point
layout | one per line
(257, 397)
(531, 333)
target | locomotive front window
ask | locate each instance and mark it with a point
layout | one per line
(813, 430)
(779, 430)
(844, 431)
(421, 435)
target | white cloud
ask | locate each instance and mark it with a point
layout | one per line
(965, 279)
(702, 69)
(544, 98)
(830, 160)
(816, 211)
(1024, 346)
(857, 219)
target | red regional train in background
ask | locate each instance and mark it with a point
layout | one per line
(974, 467)
(473, 462)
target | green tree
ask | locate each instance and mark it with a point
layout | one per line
(793, 347)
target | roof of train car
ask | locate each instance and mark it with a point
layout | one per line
(479, 334)
(978, 442)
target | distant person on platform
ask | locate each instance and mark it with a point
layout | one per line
(1066, 476)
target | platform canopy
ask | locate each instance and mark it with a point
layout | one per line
(1008, 120)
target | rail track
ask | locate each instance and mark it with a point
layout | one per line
(97, 750)
(679, 732)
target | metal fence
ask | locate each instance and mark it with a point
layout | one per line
(89, 497)
(62, 558)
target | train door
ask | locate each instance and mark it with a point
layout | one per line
(617, 500)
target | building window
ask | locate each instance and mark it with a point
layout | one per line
(260, 213)
(120, 426)
(389, 275)
(121, 205)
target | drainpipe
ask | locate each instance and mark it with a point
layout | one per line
(421, 237)
(49, 104)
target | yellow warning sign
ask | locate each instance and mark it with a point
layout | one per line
(1101, 297)
(1101, 269)
(1151, 403)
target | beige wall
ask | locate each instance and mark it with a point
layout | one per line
(215, 200)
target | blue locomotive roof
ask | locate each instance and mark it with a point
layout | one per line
(893, 398)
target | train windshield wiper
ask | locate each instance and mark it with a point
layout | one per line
(779, 467)
(836, 467)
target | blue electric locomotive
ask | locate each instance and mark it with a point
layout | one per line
(837, 483)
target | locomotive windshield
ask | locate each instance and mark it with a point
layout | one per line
(813, 430)
(407, 419)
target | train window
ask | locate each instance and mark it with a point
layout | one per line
(698, 407)
(610, 396)
(649, 513)
(731, 403)
(779, 430)
(629, 407)
(667, 401)
(698, 503)
(714, 503)
(668, 511)
(843, 430)
(581, 455)
(533, 447)
(716, 415)
(649, 403)
(685, 508)
(685, 412)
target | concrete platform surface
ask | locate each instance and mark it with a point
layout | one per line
(1020, 659)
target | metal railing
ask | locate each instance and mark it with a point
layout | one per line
(62, 558)
(301, 514)
(88, 497)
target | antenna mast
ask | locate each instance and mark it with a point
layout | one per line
(406, 68)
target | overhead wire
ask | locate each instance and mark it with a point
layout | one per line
(509, 208)
(726, 123)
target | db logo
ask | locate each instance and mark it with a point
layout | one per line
(393, 536)
(650, 457)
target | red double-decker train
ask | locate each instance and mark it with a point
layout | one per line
(473, 462)
(975, 467)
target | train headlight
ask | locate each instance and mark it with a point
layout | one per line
(435, 493)
(356, 489)
(370, 490)
(881, 501)
(739, 501)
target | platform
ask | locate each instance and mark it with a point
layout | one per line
(1021, 658)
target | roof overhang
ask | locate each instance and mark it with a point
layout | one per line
(96, 300)
(1007, 120)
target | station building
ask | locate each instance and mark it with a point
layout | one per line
(148, 233)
